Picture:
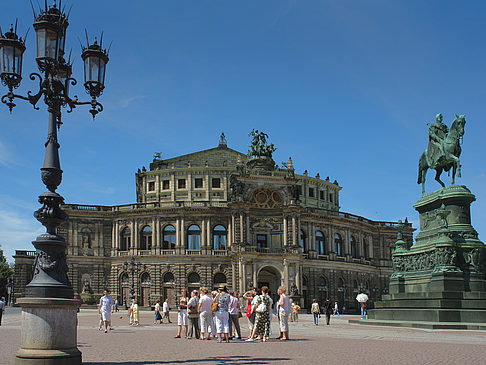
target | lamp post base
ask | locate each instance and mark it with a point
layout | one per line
(49, 332)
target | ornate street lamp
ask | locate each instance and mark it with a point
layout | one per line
(132, 267)
(50, 295)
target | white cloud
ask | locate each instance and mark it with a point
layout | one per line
(18, 228)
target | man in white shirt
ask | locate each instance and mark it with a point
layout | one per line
(166, 311)
(105, 309)
(205, 312)
(2, 308)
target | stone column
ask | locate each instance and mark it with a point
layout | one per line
(297, 277)
(243, 275)
(240, 278)
(155, 236)
(285, 231)
(255, 279)
(294, 233)
(299, 229)
(229, 236)
(178, 233)
(242, 239)
(203, 233)
(233, 228)
(208, 234)
(309, 237)
(247, 228)
(233, 276)
(183, 235)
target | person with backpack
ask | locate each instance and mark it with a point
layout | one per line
(316, 311)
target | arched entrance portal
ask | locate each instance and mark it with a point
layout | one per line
(271, 277)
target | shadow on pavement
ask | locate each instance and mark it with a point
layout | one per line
(215, 359)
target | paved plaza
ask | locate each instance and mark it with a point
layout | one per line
(338, 343)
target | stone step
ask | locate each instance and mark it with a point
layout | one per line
(421, 324)
(429, 314)
(432, 303)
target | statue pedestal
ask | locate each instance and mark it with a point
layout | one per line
(49, 335)
(440, 282)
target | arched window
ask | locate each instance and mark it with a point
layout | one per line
(338, 244)
(219, 237)
(341, 283)
(146, 238)
(219, 278)
(354, 248)
(193, 278)
(125, 239)
(194, 237)
(366, 249)
(302, 239)
(320, 243)
(304, 281)
(169, 237)
(145, 280)
(168, 277)
(322, 281)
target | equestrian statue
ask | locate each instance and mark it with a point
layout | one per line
(443, 150)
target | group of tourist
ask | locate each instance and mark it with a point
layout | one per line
(205, 315)
(215, 314)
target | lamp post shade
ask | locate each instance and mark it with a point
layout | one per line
(50, 28)
(11, 51)
(95, 60)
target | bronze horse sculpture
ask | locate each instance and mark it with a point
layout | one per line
(448, 156)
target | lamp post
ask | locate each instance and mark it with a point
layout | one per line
(48, 308)
(132, 267)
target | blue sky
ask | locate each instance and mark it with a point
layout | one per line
(344, 87)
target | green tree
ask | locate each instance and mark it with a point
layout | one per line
(5, 272)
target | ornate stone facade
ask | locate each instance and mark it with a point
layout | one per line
(220, 216)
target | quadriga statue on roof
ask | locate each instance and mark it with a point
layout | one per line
(443, 150)
(259, 146)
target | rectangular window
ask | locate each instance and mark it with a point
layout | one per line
(330, 198)
(165, 185)
(151, 186)
(299, 189)
(261, 240)
(216, 182)
(311, 192)
(321, 195)
(198, 183)
(181, 184)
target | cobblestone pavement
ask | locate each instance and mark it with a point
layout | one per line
(338, 343)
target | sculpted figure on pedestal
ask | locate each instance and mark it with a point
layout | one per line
(443, 150)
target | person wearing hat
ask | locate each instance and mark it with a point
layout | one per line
(222, 315)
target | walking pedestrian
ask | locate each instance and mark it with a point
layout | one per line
(328, 310)
(135, 313)
(105, 308)
(222, 315)
(193, 314)
(316, 311)
(182, 314)
(130, 312)
(2, 308)
(234, 315)
(283, 313)
(336, 309)
(166, 311)
(205, 313)
(158, 316)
